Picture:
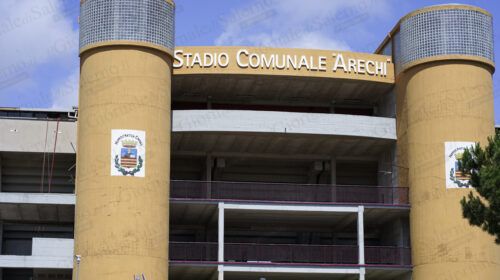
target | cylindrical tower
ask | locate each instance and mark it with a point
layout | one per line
(124, 124)
(445, 101)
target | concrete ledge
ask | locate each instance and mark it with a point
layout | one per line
(36, 262)
(283, 207)
(53, 247)
(26, 135)
(38, 198)
(289, 269)
(283, 122)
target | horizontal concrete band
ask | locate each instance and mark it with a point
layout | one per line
(9, 261)
(25, 135)
(283, 122)
(274, 269)
(38, 198)
(281, 207)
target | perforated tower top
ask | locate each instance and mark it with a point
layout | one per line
(148, 21)
(449, 31)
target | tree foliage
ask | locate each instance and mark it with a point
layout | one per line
(484, 167)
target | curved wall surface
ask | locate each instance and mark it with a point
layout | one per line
(124, 124)
(445, 100)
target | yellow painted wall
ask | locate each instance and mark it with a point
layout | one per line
(437, 102)
(122, 223)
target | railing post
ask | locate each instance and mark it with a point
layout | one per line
(361, 236)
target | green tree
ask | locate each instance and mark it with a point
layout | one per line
(484, 167)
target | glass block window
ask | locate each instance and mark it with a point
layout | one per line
(446, 32)
(150, 21)
(397, 52)
(387, 50)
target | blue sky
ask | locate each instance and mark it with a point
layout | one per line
(39, 62)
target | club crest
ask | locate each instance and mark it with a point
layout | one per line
(455, 178)
(139, 276)
(128, 153)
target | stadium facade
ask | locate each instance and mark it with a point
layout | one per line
(252, 162)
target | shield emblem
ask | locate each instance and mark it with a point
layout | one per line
(139, 276)
(459, 175)
(128, 157)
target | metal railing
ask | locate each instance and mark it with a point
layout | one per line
(289, 253)
(193, 251)
(384, 255)
(314, 254)
(288, 192)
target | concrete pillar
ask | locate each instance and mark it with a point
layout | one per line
(333, 179)
(333, 171)
(316, 169)
(394, 165)
(362, 273)
(1, 248)
(220, 255)
(361, 235)
(220, 164)
(394, 177)
(124, 127)
(208, 175)
(385, 168)
(387, 174)
(0, 174)
(220, 270)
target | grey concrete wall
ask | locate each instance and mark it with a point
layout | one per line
(19, 135)
(387, 105)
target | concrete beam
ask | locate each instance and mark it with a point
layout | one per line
(323, 157)
(38, 198)
(283, 122)
(283, 207)
(288, 269)
(49, 262)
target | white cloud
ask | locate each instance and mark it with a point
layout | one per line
(301, 40)
(312, 24)
(34, 34)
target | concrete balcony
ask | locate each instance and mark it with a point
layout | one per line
(37, 207)
(283, 122)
